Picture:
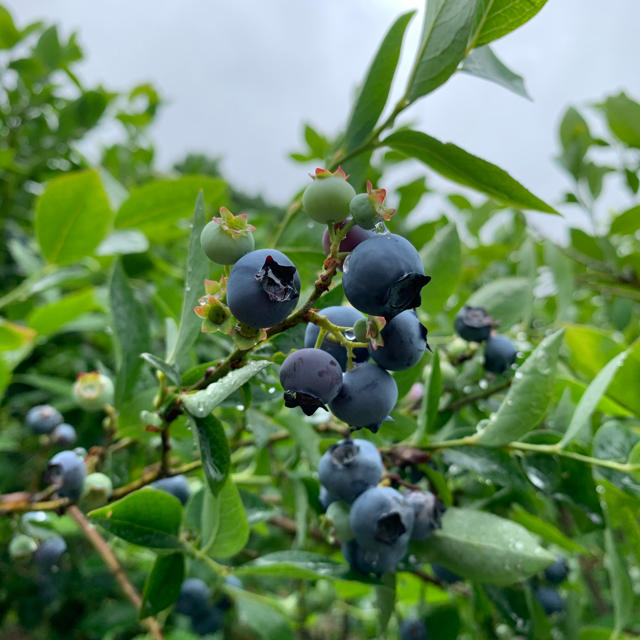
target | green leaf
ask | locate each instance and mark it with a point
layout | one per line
(430, 401)
(623, 117)
(263, 615)
(501, 17)
(72, 217)
(627, 378)
(464, 168)
(124, 242)
(149, 518)
(528, 398)
(303, 565)
(621, 588)
(158, 363)
(214, 451)
(375, 90)
(232, 532)
(156, 205)
(202, 403)
(443, 262)
(484, 63)
(197, 272)
(590, 349)
(49, 318)
(163, 584)
(505, 299)
(385, 600)
(491, 465)
(591, 399)
(131, 327)
(626, 223)
(562, 270)
(484, 547)
(9, 35)
(576, 139)
(448, 27)
(544, 529)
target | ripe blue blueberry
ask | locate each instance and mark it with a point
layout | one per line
(67, 471)
(43, 418)
(373, 561)
(352, 239)
(444, 575)
(177, 486)
(381, 519)
(349, 468)
(327, 198)
(367, 396)
(310, 378)
(49, 552)
(557, 572)
(195, 597)
(499, 354)
(405, 341)
(208, 621)
(234, 582)
(383, 276)
(64, 434)
(413, 629)
(427, 511)
(473, 324)
(342, 317)
(263, 288)
(550, 600)
(325, 498)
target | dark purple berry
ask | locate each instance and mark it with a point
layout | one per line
(405, 341)
(550, 600)
(349, 468)
(473, 324)
(499, 354)
(194, 598)
(49, 552)
(383, 276)
(263, 288)
(67, 471)
(177, 486)
(427, 511)
(354, 237)
(311, 378)
(413, 629)
(342, 317)
(64, 434)
(381, 518)
(376, 561)
(557, 572)
(367, 396)
(209, 621)
(43, 418)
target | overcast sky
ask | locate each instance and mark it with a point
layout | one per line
(241, 77)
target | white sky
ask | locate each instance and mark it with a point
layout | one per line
(240, 78)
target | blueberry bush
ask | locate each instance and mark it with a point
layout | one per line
(401, 413)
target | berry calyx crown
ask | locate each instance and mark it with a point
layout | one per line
(234, 226)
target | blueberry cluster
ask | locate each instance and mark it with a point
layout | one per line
(195, 601)
(547, 595)
(475, 325)
(381, 520)
(46, 420)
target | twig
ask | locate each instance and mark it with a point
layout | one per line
(484, 393)
(115, 568)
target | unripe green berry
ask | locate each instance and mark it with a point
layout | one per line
(21, 546)
(327, 198)
(338, 515)
(92, 391)
(360, 330)
(222, 248)
(363, 212)
(96, 490)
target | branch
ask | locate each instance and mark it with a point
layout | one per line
(115, 568)
(484, 393)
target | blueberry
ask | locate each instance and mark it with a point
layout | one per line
(310, 378)
(67, 471)
(349, 468)
(427, 511)
(473, 324)
(381, 519)
(64, 434)
(557, 572)
(208, 621)
(43, 418)
(367, 396)
(194, 598)
(234, 582)
(405, 341)
(354, 237)
(263, 288)
(550, 600)
(325, 498)
(499, 354)
(444, 575)
(49, 552)
(176, 486)
(373, 561)
(383, 276)
(92, 391)
(21, 546)
(413, 629)
(343, 317)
